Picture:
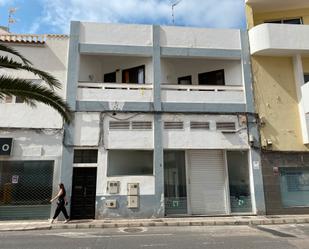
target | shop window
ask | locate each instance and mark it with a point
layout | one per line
(134, 75)
(130, 162)
(294, 185)
(85, 156)
(239, 182)
(25, 189)
(212, 78)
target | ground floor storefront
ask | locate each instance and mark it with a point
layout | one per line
(286, 182)
(195, 182)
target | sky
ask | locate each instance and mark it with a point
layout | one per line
(54, 16)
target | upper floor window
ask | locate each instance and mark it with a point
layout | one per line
(287, 21)
(212, 78)
(186, 80)
(306, 77)
(135, 75)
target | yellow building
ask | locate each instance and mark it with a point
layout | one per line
(279, 46)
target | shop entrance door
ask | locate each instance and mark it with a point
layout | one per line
(83, 193)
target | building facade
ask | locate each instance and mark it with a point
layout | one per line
(164, 123)
(279, 34)
(31, 138)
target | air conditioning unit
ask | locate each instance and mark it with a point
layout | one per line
(111, 203)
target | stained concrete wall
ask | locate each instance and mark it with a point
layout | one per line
(272, 180)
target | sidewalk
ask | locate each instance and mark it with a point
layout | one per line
(187, 221)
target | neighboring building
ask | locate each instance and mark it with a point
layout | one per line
(164, 125)
(31, 138)
(279, 35)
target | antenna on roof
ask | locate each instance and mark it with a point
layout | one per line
(173, 6)
(11, 19)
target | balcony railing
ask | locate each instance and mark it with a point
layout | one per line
(115, 92)
(202, 94)
(170, 93)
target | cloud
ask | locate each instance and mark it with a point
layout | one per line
(57, 14)
(5, 2)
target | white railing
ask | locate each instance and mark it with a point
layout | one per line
(214, 88)
(120, 86)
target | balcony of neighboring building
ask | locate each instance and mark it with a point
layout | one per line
(115, 78)
(187, 80)
(275, 39)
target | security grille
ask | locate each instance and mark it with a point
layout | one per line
(25, 189)
(173, 125)
(227, 126)
(141, 125)
(119, 125)
(199, 125)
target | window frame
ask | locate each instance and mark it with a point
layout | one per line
(188, 77)
(133, 69)
(281, 21)
(212, 72)
(85, 149)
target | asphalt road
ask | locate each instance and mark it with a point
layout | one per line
(215, 237)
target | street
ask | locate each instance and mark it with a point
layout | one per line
(212, 237)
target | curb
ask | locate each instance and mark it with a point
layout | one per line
(171, 223)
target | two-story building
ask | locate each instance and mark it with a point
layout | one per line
(164, 123)
(279, 35)
(31, 138)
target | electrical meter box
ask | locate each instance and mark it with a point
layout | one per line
(111, 203)
(113, 187)
(133, 188)
(133, 201)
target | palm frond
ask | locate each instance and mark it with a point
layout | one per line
(6, 62)
(31, 92)
(7, 49)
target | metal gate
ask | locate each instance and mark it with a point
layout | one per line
(25, 189)
(208, 193)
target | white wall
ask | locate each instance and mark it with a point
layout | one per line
(97, 66)
(51, 57)
(172, 69)
(28, 144)
(172, 36)
(87, 129)
(116, 34)
(204, 139)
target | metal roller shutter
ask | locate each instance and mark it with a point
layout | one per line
(207, 182)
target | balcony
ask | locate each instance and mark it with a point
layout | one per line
(279, 39)
(202, 94)
(114, 92)
(305, 97)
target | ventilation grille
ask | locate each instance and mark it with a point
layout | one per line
(119, 125)
(199, 125)
(226, 126)
(173, 125)
(141, 125)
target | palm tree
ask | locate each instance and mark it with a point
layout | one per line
(28, 91)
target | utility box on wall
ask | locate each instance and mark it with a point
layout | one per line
(111, 203)
(133, 188)
(133, 201)
(113, 187)
(133, 192)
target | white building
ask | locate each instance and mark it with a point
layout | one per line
(164, 122)
(31, 171)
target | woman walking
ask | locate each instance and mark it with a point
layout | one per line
(60, 204)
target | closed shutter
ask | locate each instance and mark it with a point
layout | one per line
(207, 182)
